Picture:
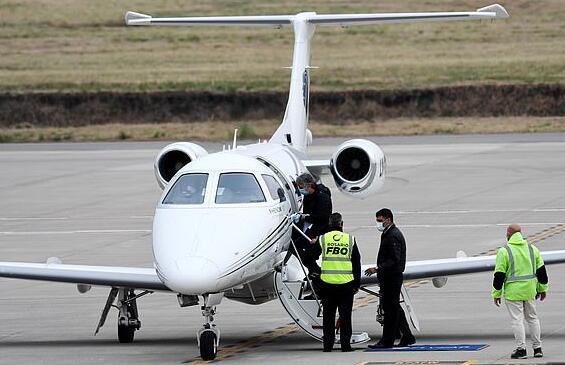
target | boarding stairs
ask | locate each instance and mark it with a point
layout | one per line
(293, 287)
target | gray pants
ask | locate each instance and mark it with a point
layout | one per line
(524, 310)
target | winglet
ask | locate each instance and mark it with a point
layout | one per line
(496, 9)
(133, 18)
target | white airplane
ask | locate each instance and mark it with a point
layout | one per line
(222, 226)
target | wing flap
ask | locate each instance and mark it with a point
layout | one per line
(127, 277)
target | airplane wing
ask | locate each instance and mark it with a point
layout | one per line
(125, 277)
(428, 269)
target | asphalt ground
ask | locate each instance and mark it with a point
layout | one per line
(93, 204)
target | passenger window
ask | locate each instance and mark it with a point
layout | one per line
(239, 188)
(188, 189)
(274, 187)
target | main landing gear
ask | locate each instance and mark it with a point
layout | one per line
(209, 335)
(128, 316)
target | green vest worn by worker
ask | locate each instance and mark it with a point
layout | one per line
(336, 257)
(519, 261)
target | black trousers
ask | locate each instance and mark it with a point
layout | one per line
(337, 297)
(394, 317)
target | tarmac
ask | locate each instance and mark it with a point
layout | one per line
(92, 203)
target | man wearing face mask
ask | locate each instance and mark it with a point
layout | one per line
(391, 261)
(316, 211)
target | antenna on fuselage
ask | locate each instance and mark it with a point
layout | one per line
(234, 146)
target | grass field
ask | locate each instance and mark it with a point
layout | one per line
(80, 45)
(223, 131)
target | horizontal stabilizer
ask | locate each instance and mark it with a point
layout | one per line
(133, 18)
(488, 12)
(495, 8)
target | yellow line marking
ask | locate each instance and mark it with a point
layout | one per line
(469, 362)
(226, 352)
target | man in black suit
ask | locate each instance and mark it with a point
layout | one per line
(391, 261)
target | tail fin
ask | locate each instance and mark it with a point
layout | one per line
(293, 129)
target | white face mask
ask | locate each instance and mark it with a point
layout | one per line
(380, 226)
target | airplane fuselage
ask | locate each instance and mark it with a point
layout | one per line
(216, 242)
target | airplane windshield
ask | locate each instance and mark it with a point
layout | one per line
(188, 189)
(238, 188)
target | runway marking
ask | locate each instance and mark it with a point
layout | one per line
(424, 362)
(33, 218)
(470, 211)
(478, 225)
(87, 231)
(245, 345)
(74, 218)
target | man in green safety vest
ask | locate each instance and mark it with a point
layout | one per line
(341, 274)
(520, 277)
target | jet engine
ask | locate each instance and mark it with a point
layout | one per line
(358, 167)
(174, 157)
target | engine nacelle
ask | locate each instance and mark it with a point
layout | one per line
(358, 167)
(174, 157)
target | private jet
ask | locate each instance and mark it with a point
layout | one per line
(247, 185)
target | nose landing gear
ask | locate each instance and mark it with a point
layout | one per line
(209, 335)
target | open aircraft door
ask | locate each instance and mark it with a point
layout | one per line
(306, 313)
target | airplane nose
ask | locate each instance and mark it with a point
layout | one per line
(193, 275)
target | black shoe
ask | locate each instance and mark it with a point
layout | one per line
(519, 354)
(327, 350)
(538, 352)
(407, 341)
(380, 345)
(346, 349)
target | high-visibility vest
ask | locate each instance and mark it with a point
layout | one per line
(531, 268)
(336, 257)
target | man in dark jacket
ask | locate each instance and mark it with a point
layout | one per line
(391, 261)
(316, 211)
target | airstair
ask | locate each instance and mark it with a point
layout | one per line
(293, 287)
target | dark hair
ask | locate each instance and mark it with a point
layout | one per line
(335, 221)
(306, 179)
(385, 213)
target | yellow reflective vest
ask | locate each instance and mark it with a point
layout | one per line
(519, 261)
(336, 257)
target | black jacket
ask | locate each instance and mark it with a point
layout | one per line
(392, 252)
(318, 206)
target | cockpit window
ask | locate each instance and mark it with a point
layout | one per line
(273, 186)
(238, 188)
(188, 189)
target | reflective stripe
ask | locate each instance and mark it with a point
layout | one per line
(336, 271)
(513, 276)
(337, 259)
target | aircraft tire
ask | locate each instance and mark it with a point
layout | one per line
(126, 334)
(208, 345)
